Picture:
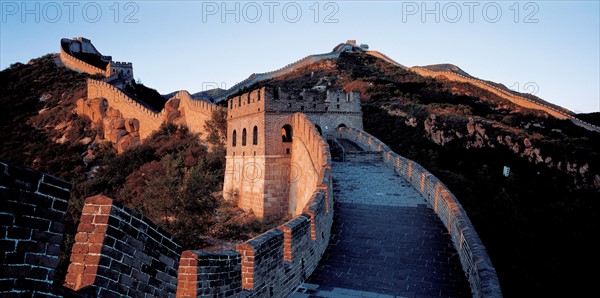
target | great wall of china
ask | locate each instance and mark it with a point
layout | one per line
(474, 259)
(117, 251)
(518, 100)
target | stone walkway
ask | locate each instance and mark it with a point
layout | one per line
(386, 241)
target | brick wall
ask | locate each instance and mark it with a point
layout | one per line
(269, 177)
(473, 256)
(76, 64)
(31, 226)
(130, 108)
(518, 100)
(196, 112)
(120, 252)
(209, 274)
(275, 263)
(309, 158)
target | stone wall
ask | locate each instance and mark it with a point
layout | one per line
(276, 262)
(31, 225)
(475, 261)
(120, 252)
(326, 109)
(195, 112)
(266, 176)
(180, 109)
(308, 159)
(76, 64)
(518, 100)
(149, 120)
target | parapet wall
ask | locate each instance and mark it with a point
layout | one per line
(130, 108)
(31, 225)
(309, 158)
(255, 78)
(518, 100)
(76, 64)
(196, 112)
(473, 255)
(119, 252)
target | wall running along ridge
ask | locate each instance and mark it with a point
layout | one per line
(76, 64)
(130, 108)
(278, 261)
(473, 256)
(196, 112)
(518, 100)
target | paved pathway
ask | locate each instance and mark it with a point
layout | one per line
(385, 242)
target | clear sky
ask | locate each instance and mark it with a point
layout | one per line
(550, 48)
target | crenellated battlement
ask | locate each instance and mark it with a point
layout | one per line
(121, 63)
(557, 112)
(268, 141)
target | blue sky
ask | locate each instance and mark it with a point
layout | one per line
(550, 48)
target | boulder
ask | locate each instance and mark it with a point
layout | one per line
(119, 123)
(114, 135)
(126, 143)
(112, 112)
(132, 125)
(172, 104)
(45, 97)
(471, 126)
(172, 115)
(94, 108)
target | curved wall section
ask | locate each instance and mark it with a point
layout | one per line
(475, 261)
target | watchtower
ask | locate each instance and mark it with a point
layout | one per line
(260, 133)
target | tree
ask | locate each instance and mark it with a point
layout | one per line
(216, 127)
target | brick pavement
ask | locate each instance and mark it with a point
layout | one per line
(386, 241)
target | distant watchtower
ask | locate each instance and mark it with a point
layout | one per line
(260, 133)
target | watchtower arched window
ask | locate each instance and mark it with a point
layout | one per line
(258, 95)
(244, 137)
(234, 138)
(286, 133)
(255, 136)
(239, 101)
(248, 96)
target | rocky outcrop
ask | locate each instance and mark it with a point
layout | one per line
(122, 132)
(474, 136)
(172, 107)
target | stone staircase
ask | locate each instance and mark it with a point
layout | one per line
(346, 150)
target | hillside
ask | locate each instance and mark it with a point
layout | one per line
(40, 129)
(449, 68)
(536, 223)
(465, 136)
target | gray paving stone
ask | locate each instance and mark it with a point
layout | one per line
(386, 240)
